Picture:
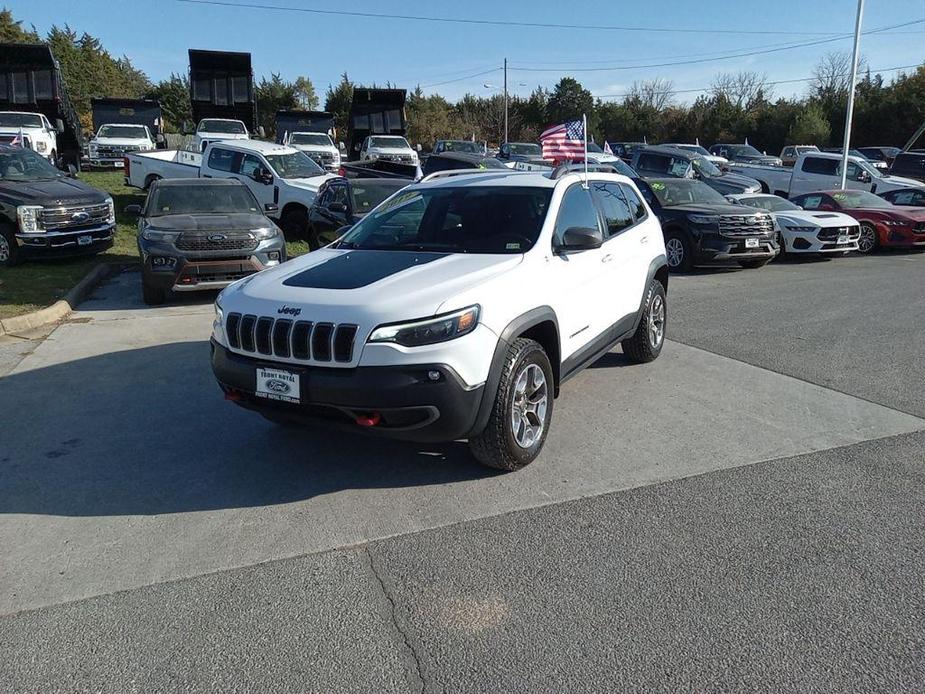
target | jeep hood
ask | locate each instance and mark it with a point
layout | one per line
(365, 287)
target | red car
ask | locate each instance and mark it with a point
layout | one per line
(882, 222)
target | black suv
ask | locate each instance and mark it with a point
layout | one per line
(47, 213)
(342, 202)
(745, 154)
(910, 164)
(665, 160)
(702, 228)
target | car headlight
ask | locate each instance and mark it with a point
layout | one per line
(93, 149)
(703, 218)
(40, 146)
(803, 229)
(153, 235)
(896, 223)
(111, 211)
(218, 323)
(30, 218)
(430, 331)
(265, 232)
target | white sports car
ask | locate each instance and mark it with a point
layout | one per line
(805, 231)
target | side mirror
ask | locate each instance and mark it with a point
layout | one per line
(261, 175)
(581, 239)
(341, 146)
(132, 209)
(59, 126)
(337, 207)
(418, 147)
(271, 207)
(863, 176)
(160, 139)
(261, 132)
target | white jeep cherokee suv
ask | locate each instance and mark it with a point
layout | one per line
(455, 309)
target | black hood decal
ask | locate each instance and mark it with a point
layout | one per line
(358, 268)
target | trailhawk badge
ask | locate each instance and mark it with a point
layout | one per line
(274, 384)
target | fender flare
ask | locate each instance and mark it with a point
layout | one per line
(658, 265)
(520, 324)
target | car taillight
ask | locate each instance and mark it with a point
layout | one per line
(341, 171)
(127, 167)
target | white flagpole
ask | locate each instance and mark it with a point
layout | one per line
(584, 125)
(849, 112)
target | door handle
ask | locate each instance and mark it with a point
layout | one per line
(607, 258)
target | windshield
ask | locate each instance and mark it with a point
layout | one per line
(389, 142)
(705, 167)
(692, 148)
(746, 150)
(229, 127)
(685, 192)
(462, 146)
(525, 149)
(25, 165)
(20, 120)
(475, 219)
(131, 131)
(201, 199)
(857, 199)
(368, 194)
(311, 139)
(294, 165)
(771, 203)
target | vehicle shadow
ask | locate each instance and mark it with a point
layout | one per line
(146, 431)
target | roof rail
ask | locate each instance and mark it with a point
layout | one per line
(461, 172)
(579, 167)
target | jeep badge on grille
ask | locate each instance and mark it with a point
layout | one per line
(289, 311)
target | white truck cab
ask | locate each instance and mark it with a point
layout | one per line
(416, 323)
(218, 129)
(388, 148)
(318, 146)
(35, 130)
(114, 140)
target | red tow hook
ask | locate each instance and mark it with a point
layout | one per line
(233, 395)
(369, 420)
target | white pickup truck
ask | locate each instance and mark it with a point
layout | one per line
(283, 179)
(36, 131)
(821, 171)
(114, 140)
(318, 146)
(218, 129)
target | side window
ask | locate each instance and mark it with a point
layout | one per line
(811, 202)
(788, 151)
(905, 197)
(616, 211)
(635, 204)
(576, 210)
(653, 162)
(818, 165)
(249, 164)
(337, 194)
(222, 159)
(323, 199)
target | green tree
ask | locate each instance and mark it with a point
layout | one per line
(569, 101)
(274, 94)
(810, 127)
(305, 93)
(337, 101)
(430, 118)
(173, 95)
(11, 30)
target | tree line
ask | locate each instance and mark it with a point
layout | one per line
(738, 106)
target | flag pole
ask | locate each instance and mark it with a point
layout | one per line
(584, 126)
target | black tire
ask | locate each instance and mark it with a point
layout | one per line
(496, 446)
(646, 343)
(679, 256)
(151, 179)
(754, 264)
(9, 251)
(782, 256)
(152, 296)
(294, 224)
(870, 231)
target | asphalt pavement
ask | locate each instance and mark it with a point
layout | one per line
(744, 514)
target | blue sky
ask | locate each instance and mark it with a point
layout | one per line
(155, 34)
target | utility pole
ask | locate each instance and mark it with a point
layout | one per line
(850, 112)
(505, 98)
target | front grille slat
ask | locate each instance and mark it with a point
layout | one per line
(746, 225)
(64, 217)
(287, 339)
(230, 242)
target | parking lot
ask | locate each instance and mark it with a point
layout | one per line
(742, 514)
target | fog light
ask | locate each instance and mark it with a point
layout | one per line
(273, 255)
(433, 375)
(163, 261)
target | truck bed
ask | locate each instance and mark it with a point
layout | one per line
(162, 163)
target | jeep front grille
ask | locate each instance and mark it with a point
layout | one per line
(284, 338)
(745, 225)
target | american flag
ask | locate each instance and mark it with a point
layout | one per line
(566, 141)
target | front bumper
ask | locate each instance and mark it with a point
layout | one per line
(61, 244)
(404, 400)
(900, 237)
(823, 240)
(716, 248)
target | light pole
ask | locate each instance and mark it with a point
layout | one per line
(489, 85)
(849, 114)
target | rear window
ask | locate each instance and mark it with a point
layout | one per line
(818, 165)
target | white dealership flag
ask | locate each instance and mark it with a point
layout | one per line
(19, 139)
(607, 149)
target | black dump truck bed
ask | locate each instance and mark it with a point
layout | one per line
(31, 81)
(222, 86)
(127, 112)
(288, 122)
(374, 112)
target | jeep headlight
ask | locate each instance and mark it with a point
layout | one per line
(429, 331)
(218, 323)
(30, 218)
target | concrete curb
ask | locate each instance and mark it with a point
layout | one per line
(61, 308)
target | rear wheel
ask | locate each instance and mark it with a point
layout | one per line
(783, 247)
(151, 179)
(522, 411)
(9, 251)
(677, 251)
(868, 241)
(646, 343)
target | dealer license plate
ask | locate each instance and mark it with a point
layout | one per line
(274, 384)
(751, 243)
(842, 240)
(84, 240)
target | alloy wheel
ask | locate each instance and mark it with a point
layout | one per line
(656, 321)
(674, 250)
(868, 239)
(528, 410)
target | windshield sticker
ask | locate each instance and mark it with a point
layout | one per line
(839, 196)
(657, 186)
(512, 247)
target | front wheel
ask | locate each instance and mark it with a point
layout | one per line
(522, 411)
(9, 251)
(646, 343)
(868, 241)
(783, 248)
(677, 251)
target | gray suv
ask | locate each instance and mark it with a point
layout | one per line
(667, 161)
(202, 233)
